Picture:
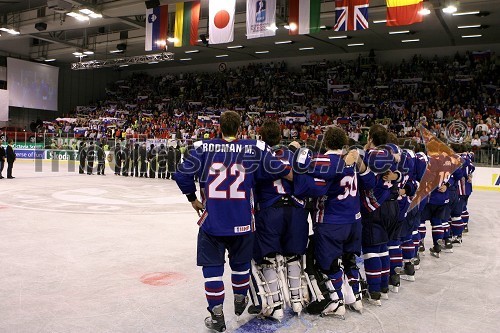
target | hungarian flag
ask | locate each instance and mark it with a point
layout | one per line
(305, 15)
(351, 15)
(221, 24)
(443, 162)
(156, 28)
(403, 12)
(187, 17)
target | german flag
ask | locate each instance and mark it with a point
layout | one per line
(187, 17)
(403, 12)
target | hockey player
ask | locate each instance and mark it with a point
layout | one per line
(435, 212)
(228, 170)
(452, 223)
(280, 239)
(337, 223)
(466, 189)
(379, 212)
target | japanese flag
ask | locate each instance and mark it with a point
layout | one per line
(221, 15)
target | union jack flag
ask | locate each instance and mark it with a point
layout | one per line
(351, 15)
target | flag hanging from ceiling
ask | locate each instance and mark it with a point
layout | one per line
(221, 25)
(403, 12)
(304, 16)
(187, 17)
(156, 28)
(351, 15)
(261, 18)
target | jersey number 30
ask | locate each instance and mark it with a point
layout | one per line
(235, 174)
(350, 185)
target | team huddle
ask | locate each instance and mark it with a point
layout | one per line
(257, 197)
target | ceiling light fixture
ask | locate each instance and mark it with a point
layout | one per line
(306, 48)
(116, 51)
(356, 44)
(466, 13)
(185, 59)
(469, 26)
(410, 40)
(338, 37)
(10, 31)
(235, 47)
(192, 51)
(77, 53)
(222, 56)
(172, 40)
(379, 21)
(152, 62)
(50, 60)
(283, 42)
(261, 52)
(450, 9)
(471, 36)
(88, 52)
(123, 65)
(399, 32)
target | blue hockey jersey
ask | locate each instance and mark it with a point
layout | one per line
(408, 183)
(340, 204)
(228, 172)
(268, 192)
(468, 168)
(379, 161)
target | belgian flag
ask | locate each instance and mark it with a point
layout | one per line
(187, 18)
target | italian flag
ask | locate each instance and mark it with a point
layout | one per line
(403, 12)
(187, 17)
(305, 14)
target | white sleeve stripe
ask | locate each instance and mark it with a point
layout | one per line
(320, 160)
(367, 171)
(214, 294)
(241, 273)
(213, 279)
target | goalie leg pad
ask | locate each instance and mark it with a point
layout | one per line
(268, 287)
(297, 283)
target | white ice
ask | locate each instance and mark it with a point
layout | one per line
(83, 253)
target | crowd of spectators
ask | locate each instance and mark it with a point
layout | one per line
(353, 94)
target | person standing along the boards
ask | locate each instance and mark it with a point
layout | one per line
(11, 157)
(2, 158)
(228, 170)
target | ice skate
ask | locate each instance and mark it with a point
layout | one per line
(435, 251)
(216, 320)
(456, 241)
(296, 305)
(240, 304)
(357, 305)
(409, 272)
(335, 308)
(466, 229)
(448, 246)
(416, 262)
(373, 298)
(394, 283)
(254, 309)
(421, 247)
(384, 293)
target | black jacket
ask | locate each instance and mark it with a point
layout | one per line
(11, 156)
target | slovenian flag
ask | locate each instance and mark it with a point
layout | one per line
(156, 28)
(403, 12)
(221, 21)
(187, 17)
(305, 15)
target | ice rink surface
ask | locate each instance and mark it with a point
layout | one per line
(83, 253)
